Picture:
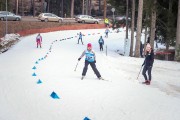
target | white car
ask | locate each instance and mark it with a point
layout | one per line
(49, 17)
(86, 19)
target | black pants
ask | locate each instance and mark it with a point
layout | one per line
(145, 69)
(81, 40)
(101, 46)
(93, 66)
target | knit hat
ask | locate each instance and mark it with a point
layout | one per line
(89, 45)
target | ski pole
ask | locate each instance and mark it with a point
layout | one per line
(76, 65)
(139, 72)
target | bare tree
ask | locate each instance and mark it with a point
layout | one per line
(99, 7)
(87, 7)
(139, 25)
(105, 7)
(42, 6)
(83, 7)
(177, 50)
(48, 5)
(72, 8)
(153, 23)
(62, 8)
(90, 6)
(132, 27)
(22, 7)
(33, 8)
(127, 4)
(17, 6)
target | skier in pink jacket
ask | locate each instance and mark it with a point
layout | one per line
(39, 40)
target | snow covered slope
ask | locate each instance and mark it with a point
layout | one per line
(120, 98)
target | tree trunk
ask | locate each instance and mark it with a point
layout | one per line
(153, 24)
(139, 25)
(22, 7)
(72, 8)
(132, 28)
(168, 28)
(62, 8)
(177, 50)
(127, 4)
(33, 8)
(87, 7)
(90, 5)
(48, 6)
(42, 6)
(83, 7)
(99, 7)
(17, 6)
(105, 7)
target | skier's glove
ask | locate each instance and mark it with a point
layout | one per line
(79, 59)
(94, 61)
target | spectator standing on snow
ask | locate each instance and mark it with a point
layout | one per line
(106, 22)
(90, 58)
(101, 43)
(148, 64)
(80, 38)
(39, 40)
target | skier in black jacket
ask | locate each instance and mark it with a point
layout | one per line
(148, 64)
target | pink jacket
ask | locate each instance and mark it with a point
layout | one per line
(39, 38)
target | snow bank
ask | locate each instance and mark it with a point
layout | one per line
(7, 41)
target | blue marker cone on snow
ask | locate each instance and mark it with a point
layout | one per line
(36, 62)
(54, 95)
(34, 67)
(39, 81)
(41, 58)
(86, 118)
(34, 74)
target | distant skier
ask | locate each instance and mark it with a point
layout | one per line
(148, 64)
(89, 59)
(106, 32)
(80, 38)
(101, 43)
(39, 40)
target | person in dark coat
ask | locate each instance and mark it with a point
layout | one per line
(101, 43)
(148, 64)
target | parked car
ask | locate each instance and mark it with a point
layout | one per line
(9, 15)
(122, 18)
(46, 17)
(86, 19)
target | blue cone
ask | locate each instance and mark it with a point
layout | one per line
(36, 62)
(86, 118)
(54, 95)
(34, 74)
(41, 58)
(39, 81)
(34, 67)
